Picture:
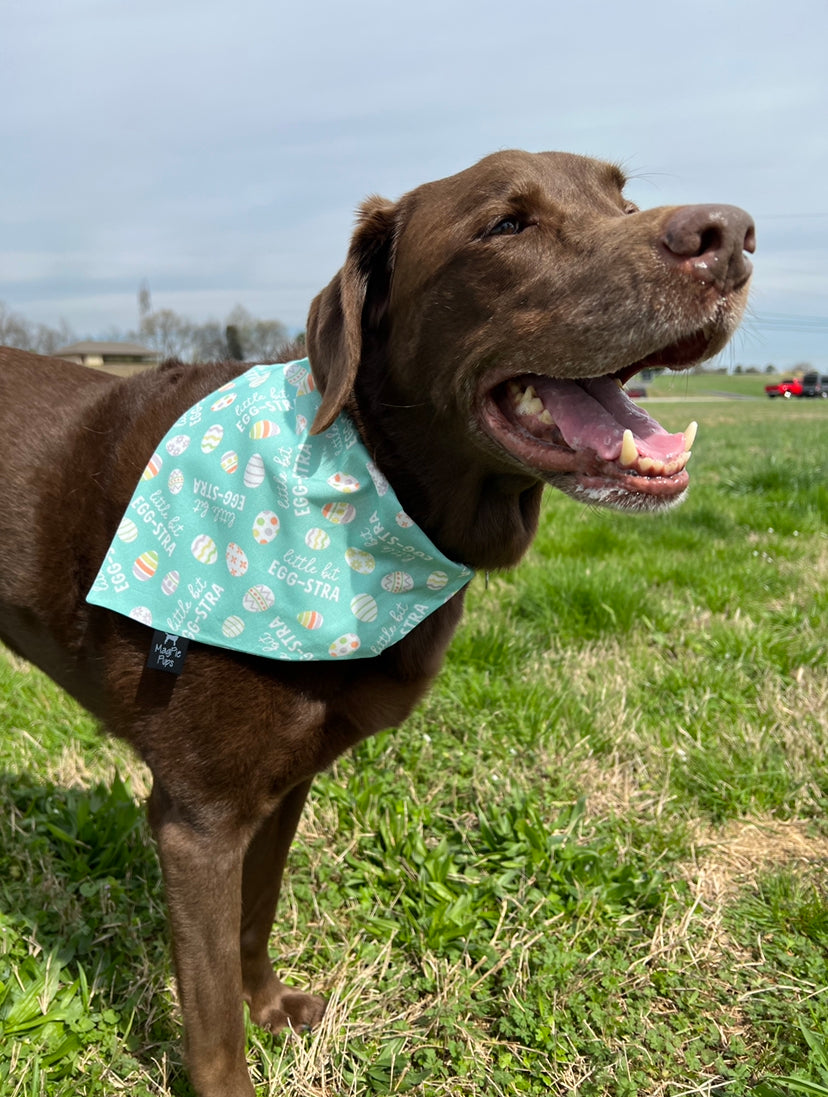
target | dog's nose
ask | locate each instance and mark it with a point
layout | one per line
(710, 242)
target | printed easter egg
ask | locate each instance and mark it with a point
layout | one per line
(254, 472)
(258, 379)
(236, 559)
(300, 377)
(175, 481)
(153, 467)
(310, 619)
(142, 614)
(397, 582)
(258, 599)
(317, 539)
(169, 584)
(204, 549)
(437, 580)
(127, 531)
(265, 527)
(264, 428)
(212, 437)
(341, 481)
(230, 461)
(232, 627)
(344, 645)
(146, 565)
(339, 513)
(403, 521)
(380, 483)
(364, 607)
(176, 446)
(227, 386)
(301, 424)
(360, 561)
(223, 402)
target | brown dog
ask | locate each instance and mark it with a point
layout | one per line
(477, 335)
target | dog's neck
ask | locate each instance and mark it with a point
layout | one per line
(481, 517)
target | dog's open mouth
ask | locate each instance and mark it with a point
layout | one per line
(590, 429)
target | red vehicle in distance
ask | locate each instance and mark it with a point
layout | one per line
(791, 386)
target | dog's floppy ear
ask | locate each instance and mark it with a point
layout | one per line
(355, 299)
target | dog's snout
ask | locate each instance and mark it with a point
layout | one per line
(710, 242)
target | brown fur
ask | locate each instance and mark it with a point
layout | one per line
(431, 310)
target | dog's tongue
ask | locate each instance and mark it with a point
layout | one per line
(593, 415)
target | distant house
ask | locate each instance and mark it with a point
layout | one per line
(122, 359)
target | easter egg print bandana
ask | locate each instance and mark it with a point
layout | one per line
(247, 532)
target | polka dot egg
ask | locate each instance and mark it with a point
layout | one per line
(223, 402)
(265, 527)
(344, 645)
(341, 481)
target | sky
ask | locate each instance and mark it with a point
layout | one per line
(218, 151)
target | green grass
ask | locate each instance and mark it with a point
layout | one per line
(681, 386)
(594, 862)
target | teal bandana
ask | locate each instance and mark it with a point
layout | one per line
(247, 532)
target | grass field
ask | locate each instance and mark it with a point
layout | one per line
(594, 862)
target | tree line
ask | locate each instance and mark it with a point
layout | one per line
(240, 336)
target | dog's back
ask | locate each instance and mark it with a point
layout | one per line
(42, 400)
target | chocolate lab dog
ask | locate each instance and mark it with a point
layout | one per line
(478, 337)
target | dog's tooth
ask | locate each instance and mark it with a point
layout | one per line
(529, 403)
(629, 451)
(690, 436)
(546, 418)
(649, 464)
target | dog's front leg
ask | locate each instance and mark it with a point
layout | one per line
(202, 867)
(272, 1004)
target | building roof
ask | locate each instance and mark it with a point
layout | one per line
(133, 350)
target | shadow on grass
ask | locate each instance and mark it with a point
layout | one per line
(84, 960)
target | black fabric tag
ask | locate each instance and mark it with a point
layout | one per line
(167, 652)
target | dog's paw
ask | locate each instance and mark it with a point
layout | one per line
(279, 1007)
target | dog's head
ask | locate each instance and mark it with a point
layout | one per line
(506, 305)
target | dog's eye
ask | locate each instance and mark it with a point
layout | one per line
(509, 226)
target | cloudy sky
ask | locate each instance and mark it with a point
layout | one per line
(219, 149)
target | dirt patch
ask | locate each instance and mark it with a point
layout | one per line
(733, 858)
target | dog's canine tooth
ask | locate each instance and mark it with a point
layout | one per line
(690, 436)
(629, 450)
